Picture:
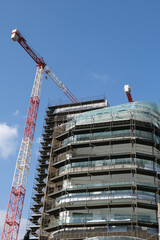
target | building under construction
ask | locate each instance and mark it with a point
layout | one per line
(98, 173)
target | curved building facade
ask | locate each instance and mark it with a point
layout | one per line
(101, 180)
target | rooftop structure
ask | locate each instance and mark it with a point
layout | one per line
(98, 174)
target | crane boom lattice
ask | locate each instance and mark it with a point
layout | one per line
(17, 36)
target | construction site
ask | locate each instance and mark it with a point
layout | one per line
(98, 174)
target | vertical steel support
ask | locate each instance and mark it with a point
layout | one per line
(158, 220)
(16, 200)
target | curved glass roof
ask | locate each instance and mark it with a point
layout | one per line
(141, 110)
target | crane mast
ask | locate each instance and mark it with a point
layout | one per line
(18, 189)
(19, 184)
(127, 90)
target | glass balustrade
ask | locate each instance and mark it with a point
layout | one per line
(105, 195)
(103, 219)
(102, 164)
(111, 134)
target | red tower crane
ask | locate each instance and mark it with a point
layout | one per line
(18, 189)
(127, 90)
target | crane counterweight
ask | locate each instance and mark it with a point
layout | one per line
(15, 35)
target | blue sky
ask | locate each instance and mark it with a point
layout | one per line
(93, 46)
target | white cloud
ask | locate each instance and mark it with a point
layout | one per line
(8, 136)
(2, 218)
(39, 140)
(22, 229)
(16, 113)
(37, 146)
(101, 77)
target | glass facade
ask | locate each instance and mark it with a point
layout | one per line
(103, 178)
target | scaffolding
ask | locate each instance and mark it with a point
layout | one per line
(98, 175)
